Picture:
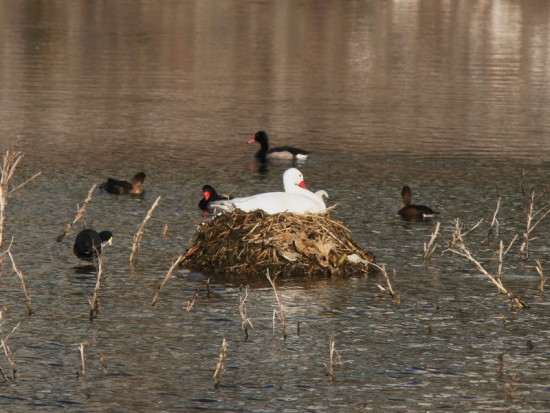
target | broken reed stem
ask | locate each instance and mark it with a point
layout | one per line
(191, 302)
(281, 311)
(166, 277)
(79, 213)
(459, 248)
(9, 354)
(542, 277)
(333, 357)
(28, 296)
(533, 216)
(9, 163)
(32, 178)
(494, 223)
(388, 288)
(94, 302)
(82, 358)
(242, 311)
(220, 366)
(430, 248)
(139, 234)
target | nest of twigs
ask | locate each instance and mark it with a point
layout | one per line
(286, 244)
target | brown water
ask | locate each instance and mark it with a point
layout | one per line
(451, 98)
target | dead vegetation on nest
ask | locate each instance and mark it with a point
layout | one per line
(286, 244)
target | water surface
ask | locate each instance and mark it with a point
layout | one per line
(451, 98)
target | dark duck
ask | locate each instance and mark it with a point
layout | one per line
(280, 152)
(114, 186)
(412, 212)
(88, 243)
(209, 195)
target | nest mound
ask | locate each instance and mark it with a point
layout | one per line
(286, 244)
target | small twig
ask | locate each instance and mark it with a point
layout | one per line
(9, 354)
(333, 357)
(281, 311)
(191, 302)
(242, 310)
(32, 178)
(541, 275)
(430, 248)
(9, 163)
(388, 289)
(28, 296)
(94, 302)
(220, 366)
(494, 224)
(167, 276)
(459, 248)
(79, 213)
(139, 234)
(82, 358)
(103, 363)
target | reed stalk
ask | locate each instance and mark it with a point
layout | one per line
(534, 214)
(334, 357)
(103, 363)
(32, 178)
(541, 275)
(82, 358)
(9, 354)
(388, 288)
(281, 312)
(94, 302)
(79, 213)
(431, 246)
(166, 278)
(242, 311)
(139, 234)
(9, 163)
(494, 224)
(28, 296)
(220, 366)
(191, 302)
(458, 247)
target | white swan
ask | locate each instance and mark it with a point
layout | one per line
(296, 198)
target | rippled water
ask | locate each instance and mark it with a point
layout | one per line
(450, 98)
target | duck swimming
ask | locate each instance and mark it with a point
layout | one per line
(411, 212)
(280, 152)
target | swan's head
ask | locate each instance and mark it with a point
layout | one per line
(293, 177)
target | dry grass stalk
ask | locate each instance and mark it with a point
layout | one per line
(94, 302)
(28, 296)
(220, 366)
(249, 243)
(165, 231)
(9, 354)
(139, 234)
(542, 277)
(388, 288)
(459, 248)
(79, 213)
(180, 259)
(242, 310)
(511, 385)
(333, 357)
(494, 224)
(430, 248)
(534, 214)
(281, 312)
(103, 363)
(10, 161)
(82, 358)
(191, 302)
(32, 178)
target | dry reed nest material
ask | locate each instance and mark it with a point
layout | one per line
(286, 244)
